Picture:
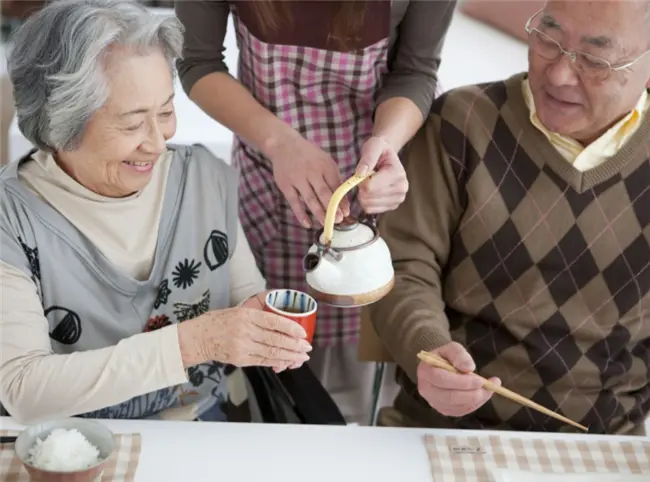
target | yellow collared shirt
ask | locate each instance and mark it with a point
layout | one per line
(585, 158)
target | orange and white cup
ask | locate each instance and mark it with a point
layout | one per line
(294, 305)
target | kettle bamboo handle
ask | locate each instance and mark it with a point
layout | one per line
(332, 207)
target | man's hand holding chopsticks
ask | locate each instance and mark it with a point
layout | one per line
(451, 394)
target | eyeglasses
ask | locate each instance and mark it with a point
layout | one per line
(589, 66)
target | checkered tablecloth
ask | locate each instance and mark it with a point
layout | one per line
(470, 458)
(121, 467)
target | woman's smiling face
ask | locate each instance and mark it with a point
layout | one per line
(124, 139)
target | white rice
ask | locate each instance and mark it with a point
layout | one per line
(63, 450)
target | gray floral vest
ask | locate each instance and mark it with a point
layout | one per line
(90, 304)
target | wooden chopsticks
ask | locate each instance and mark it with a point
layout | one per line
(438, 362)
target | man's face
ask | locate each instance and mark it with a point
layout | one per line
(568, 101)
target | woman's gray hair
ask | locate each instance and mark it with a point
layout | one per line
(56, 64)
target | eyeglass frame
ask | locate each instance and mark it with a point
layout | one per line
(573, 54)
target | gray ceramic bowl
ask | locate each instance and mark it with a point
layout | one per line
(96, 433)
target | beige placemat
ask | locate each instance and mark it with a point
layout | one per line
(121, 467)
(470, 458)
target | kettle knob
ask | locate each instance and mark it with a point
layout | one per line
(348, 224)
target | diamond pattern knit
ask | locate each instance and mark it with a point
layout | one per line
(545, 274)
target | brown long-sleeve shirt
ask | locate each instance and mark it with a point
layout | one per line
(538, 269)
(416, 29)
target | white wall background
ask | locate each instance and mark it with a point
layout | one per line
(473, 53)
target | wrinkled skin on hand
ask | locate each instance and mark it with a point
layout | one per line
(307, 176)
(244, 336)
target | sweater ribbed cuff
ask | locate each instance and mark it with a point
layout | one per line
(425, 338)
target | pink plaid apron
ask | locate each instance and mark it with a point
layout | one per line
(328, 97)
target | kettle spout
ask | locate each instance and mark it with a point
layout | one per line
(322, 273)
(311, 261)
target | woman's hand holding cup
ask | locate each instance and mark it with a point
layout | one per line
(243, 337)
(296, 306)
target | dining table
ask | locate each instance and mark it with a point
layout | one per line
(212, 451)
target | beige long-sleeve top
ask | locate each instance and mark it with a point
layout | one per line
(33, 380)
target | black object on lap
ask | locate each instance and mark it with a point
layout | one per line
(293, 396)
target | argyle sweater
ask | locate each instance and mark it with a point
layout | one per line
(541, 271)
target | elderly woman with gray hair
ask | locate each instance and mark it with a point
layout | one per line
(110, 238)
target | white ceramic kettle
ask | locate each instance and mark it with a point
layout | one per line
(349, 265)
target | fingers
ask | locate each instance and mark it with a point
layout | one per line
(276, 356)
(331, 174)
(277, 342)
(465, 396)
(390, 177)
(456, 354)
(280, 341)
(384, 191)
(332, 177)
(273, 356)
(458, 405)
(318, 199)
(295, 203)
(379, 206)
(274, 346)
(311, 187)
(453, 394)
(371, 153)
(445, 380)
(291, 366)
(273, 322)
(344, 208)
(278, 365)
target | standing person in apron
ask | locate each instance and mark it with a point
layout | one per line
(324, 89)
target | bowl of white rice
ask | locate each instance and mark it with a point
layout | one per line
(68, 450)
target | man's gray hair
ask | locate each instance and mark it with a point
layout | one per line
(56, 64)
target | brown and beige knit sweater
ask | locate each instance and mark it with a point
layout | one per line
(541, 271)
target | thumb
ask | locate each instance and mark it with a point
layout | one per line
(370, 155)
(456, 354)
(496, 381)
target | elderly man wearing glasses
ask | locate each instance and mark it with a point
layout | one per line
(522, 251)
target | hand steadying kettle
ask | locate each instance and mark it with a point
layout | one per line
(349, 265)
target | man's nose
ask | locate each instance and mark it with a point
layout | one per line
(563, 72)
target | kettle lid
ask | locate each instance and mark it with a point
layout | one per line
(351, 234)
